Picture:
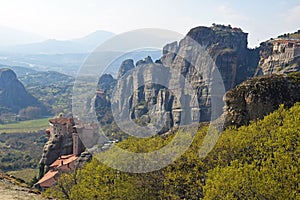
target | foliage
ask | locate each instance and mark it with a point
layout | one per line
(295, 35)
(295, 76)
(30, 113)
(21, 151)
(53, 89)
(259, 161)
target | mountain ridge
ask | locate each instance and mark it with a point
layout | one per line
(84, 44)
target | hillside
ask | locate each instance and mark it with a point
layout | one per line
(52, 88)
(20, 71)
(259, 161)
(21, 149)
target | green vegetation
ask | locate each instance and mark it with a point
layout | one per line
(21, 147)
(51, 88)
(295, 76)
(295, 35)
(259, 161)
(21, 150)
(25, 126)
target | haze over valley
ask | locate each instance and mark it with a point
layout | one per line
(149, 100)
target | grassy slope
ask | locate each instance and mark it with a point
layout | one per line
(24, 174)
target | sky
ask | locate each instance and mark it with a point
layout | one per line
(67, 19)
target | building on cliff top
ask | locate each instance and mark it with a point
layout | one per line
(60, 152)
(286, 45)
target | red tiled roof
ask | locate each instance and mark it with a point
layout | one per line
(48, 179)
(51, 176)
(64, 160)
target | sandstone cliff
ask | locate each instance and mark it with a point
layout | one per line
(151, 84)
(153, 87)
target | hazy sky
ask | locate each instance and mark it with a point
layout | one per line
(65, 19)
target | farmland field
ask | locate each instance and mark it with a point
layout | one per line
(25, 126)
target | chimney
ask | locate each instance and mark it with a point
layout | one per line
(75, 144)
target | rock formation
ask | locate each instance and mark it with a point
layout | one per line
(125, 67)
(13, 95)
(144, 92)
(149, 91)
(259, 96)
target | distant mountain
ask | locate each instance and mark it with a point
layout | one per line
(94, 39)
(68, 63)
(10, 36)
(64, 63)
(51, 46)
(80, 45)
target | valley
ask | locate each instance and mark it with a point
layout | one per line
(246, 147)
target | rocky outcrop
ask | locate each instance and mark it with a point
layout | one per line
(125, 67)
(259, 96)
(107, 82)
(13, 95)
(281, 55)
(228, 48)
(178, 86)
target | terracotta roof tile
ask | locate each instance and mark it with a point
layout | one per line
(46, 181)
(64, 160)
